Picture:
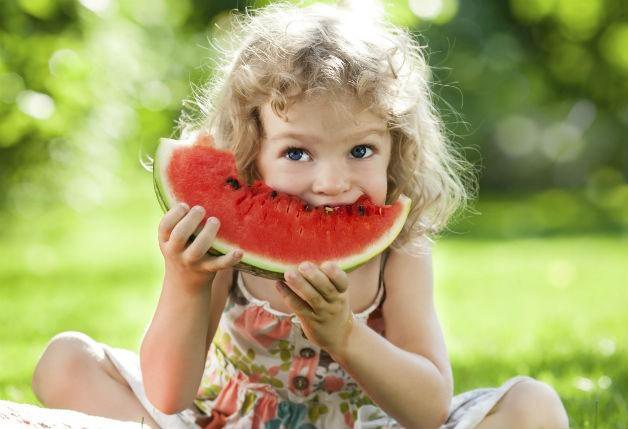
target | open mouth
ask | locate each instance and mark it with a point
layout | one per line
(334, 205)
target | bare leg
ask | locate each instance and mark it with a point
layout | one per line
(74, 373)
(527, 405)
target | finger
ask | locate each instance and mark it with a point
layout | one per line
(308, 293)
(170, 219)
(294, 301)
(223, 262)
(319, 280)
(186, 226)
(337, 276)
(203, 241)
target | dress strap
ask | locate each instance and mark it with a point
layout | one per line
(383, 265)
(381, 290)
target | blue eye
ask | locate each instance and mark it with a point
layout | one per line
(294, 151)
(360, 151)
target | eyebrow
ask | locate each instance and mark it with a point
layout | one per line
(306, 137)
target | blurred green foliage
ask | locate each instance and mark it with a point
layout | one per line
(536, 92)
(542, 89)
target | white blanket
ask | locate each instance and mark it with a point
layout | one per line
(14, 415)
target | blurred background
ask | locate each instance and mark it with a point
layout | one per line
(534, 93)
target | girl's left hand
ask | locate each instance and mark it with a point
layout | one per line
(319, 297)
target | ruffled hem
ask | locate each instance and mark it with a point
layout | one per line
(467, 410)
(128, 365)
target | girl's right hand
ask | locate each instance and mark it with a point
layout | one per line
(187, 263)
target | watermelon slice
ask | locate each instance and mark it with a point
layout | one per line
(276, 231)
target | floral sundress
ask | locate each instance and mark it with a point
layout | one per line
(263, 373)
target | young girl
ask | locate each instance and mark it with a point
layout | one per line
(327, 103)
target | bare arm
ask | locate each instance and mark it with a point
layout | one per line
(407, 373)
(407, 386)
(174, 347)
(412, 359)
(172, 355)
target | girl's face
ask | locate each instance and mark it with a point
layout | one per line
(324, 156)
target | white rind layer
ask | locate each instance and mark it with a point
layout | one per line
(160, 167)
(162, 158)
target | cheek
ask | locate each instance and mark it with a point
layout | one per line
(266, 166)
(378, 191)
(283, 182)
(374, 181)
(282, 177)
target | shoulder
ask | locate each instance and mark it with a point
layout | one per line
(400, 263)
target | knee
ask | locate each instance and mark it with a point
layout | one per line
(65, 358)
(536, 405)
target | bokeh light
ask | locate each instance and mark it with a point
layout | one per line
(517, 136)
(580, 20)
(532, 11)
(438, 11)
(36, 104)
(42, 9)
(97, 6)
(614, 46)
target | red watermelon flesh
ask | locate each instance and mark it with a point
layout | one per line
(275, 230)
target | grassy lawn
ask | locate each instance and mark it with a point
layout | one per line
(552, 308)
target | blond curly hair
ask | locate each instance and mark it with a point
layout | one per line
(282, 52)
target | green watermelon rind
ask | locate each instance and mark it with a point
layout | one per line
(252, 262)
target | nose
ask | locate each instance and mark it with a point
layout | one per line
(331, 179)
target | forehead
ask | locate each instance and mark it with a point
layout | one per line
(320, 114)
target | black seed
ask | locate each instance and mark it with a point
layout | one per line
(273, 194)
(233, 182)
(361, 210)
(307, 208)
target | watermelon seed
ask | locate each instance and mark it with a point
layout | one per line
(307, 208)
(361, 210)
(273, 194)
(233, 182)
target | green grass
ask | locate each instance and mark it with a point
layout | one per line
(552, 308)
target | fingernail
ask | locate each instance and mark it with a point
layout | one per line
(198, 209)
(213, 220)
(306, 266)
(237, 254)
(185, 206)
